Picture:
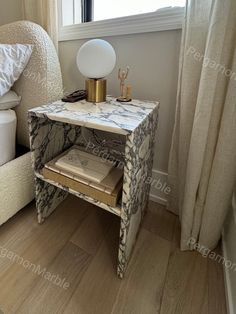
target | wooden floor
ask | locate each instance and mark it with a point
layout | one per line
(79, 242)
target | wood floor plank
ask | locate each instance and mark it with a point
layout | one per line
(216, 291)
(98, 288)
(44, 247)
(93, 230)
(48, 298)
(186, 284)
(141, 290)
(159, 221)
(192, 285)
(15, 235)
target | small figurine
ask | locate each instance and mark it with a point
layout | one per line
(125, 91)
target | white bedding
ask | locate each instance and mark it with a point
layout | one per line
(7, 135)
(13, 60)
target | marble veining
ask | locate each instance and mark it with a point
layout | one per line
(111, 116)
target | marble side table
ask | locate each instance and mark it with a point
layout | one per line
(57, 126)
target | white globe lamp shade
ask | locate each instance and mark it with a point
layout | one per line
(96, 59)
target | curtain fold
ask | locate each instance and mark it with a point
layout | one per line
(202, 164)
(44, 13)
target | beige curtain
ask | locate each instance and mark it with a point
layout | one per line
(44, 13)
(202, 165)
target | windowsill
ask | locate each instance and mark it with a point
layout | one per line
(163, 19)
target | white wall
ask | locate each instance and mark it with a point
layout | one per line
(10, 11)
(153, 59)
(229, 247)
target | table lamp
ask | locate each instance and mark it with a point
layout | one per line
(95, 60)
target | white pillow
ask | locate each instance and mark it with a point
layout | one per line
(9, 100)
(13, 60)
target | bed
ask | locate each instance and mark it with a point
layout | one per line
(41, 83)
(8, 122)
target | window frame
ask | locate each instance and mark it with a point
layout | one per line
(164, 19)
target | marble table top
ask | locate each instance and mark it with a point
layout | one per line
(111, 116)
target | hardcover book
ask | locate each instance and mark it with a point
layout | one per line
(107, 191)
(85, 165)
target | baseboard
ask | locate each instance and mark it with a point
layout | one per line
(228, 290)
(158, 199)
(159, 187)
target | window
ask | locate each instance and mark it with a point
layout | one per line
(93, 18)
(77, 11)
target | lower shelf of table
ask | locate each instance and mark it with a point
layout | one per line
(114, 210)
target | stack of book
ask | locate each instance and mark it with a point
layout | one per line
(87, 174)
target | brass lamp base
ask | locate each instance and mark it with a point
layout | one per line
(96, 90)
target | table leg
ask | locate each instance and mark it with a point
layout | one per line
(47, 140)
(48, 197)
(137, 179)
